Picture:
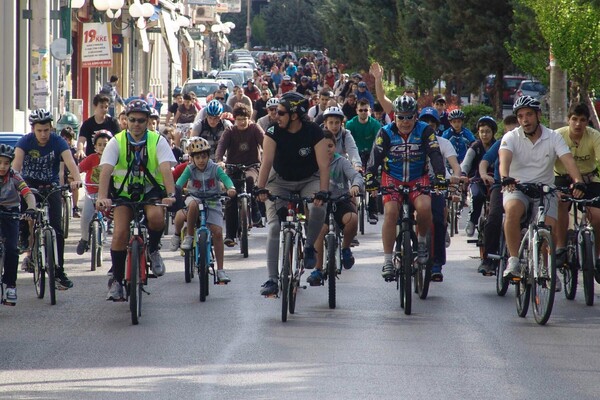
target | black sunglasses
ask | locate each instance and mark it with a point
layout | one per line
(219, 98)
(363, 110)
(405, 117)
(281, 113)
(138, 120)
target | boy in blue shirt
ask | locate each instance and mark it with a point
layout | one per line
(460, 137)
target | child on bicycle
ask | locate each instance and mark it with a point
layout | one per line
(12, 188)
(202, 177)
(91, 166)
(460, 136)
(341, 172)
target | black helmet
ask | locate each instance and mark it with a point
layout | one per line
(405, 104)
(294, 102)
(456, 114)
(526, 102)
(7, 151)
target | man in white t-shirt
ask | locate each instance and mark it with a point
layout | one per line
(527, 155)
(319, 108)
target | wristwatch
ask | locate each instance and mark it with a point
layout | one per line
(171, 195)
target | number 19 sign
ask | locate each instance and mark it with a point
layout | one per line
(96, 45)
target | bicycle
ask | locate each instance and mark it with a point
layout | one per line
(536, 259)
(244, 203)
(361, 213)
(405, 263)
(202, 254)
(44, 253)
(291, 251)
(97, 229)
(67, 204)
(453, 204)
(5, 215)
(500, 263)
(581, 251)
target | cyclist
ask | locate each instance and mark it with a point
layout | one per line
(202, 177)
(212, 127)
(37, 158)
(486, 129)
(460, 137)
(239, 97)
(584, 143)
(172, 110)
(242, 144)
(527, 155)
(294, 159)
(287, 85)
(136, 165)
(91, 167)
(341, 173)
(271, 117)
(260, 105)
(439, 103)
(345, 144)
(364, 128)
(319, 108)
(12, 189)
(100, 120)
(154, 120)
(402, 150)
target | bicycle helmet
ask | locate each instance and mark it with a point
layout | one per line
(333, 111)
(7, 151)
(138, 106)
(456, 114)
(199, 145)
(214, 108)
(189, 141)
(294, 102)
(40, 116)
(154, 113)
(272, 102)
(487, 120)
(102, 133)
(429, 112)
(526, 102)
(405, 104)
(177, 91)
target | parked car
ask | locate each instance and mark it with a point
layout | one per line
(248, 73)
(241, 65)
(237, 76)
(531, 88)
(10, 138)
(509, 88)
(202, 88)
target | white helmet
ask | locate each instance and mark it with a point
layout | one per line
(333, 111)
(272, 102)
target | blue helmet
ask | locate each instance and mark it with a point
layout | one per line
(487, 120)
(214, 108)
(429, 112)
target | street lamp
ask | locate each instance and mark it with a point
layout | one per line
(108, 6)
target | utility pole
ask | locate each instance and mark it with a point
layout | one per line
(558, 95)
(248, 27)
(39, 64)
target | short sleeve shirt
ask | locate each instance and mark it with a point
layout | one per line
(41, 164)
(586, 153)
(534, 162)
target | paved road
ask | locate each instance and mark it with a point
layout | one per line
(463, 342)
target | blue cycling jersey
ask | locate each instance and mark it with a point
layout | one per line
(461, 141)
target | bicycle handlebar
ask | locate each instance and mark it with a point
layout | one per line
(242, 167)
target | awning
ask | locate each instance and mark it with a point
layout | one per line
(169, 30)
(187, 39)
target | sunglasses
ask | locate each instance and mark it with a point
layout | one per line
(272, 109)
(405, 117)
(363, 110)
(219, 98)
(138, 120)
(281, 113)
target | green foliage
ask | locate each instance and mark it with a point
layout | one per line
(259, 29)
(391, 90)
(473, 113)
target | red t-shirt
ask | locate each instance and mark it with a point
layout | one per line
(91, 166)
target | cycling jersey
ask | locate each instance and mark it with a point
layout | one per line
(460, 140)
(585, 153)
(405, 157)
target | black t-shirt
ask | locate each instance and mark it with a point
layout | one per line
(261, 108)
(295, 158)
(173, 108)
(90, 126)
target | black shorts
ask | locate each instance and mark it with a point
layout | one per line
(342, 208)
(592, 189)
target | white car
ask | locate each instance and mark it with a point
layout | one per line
(202, 88)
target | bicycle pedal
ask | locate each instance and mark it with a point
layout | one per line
(221, 283)
(271, 296)
(515, 279)
(151, 275)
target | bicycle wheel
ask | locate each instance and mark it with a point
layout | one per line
(361, 215)
(1, 271)
(39, 275)
(94, 240)
(423, 273)
(203, 264)
(587, 268)
(134, 284)
(544, 279)
(406, 272)
(523, 287)
(570, 271)
(330, 249)
(501, 282)
(295, 274)
(66, 215)
(50, 266)
(188, 265)
(453, 218)
(167, 222)
(243, 218)
(285, 274)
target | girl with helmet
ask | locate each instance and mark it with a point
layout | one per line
(203, 176)
(460, 136)
(12, 189)
(91, 167)
(294, 159)
(345, 143)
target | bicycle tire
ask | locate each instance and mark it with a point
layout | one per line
(167, 222)
(330, 247)
(587, 268)
(203, 264)
(423, 273)
(361, 215)
(295, 275)
(243, 218)
(501, 282)
(134, 284)
(406, 271)
(94, 243)
(285, 274)
(570, 272)
(188, 265)
(50, 265)
(452, 215)
(39, 274)
(2, 257)
(544, 280)
(66, 215)
(523, 287)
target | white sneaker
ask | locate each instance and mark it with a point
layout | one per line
(187, 243)
(157, 264)
(470, 229)
(222, 276)
(513, 269)
(175, 242)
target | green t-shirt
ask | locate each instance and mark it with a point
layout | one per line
(363, 134)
